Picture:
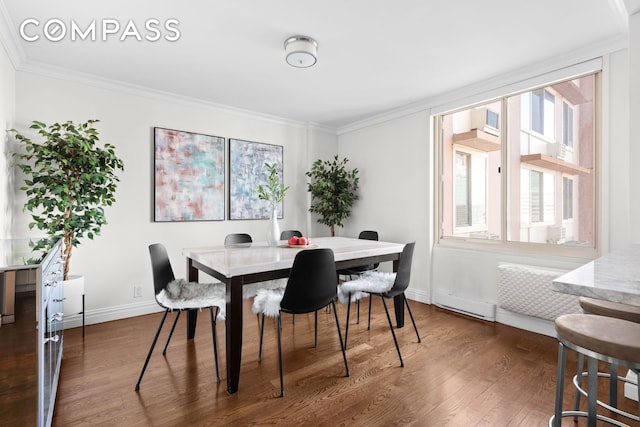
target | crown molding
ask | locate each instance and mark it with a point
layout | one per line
(11, 44)
(587, 53)
(143, 91)
(9, 38)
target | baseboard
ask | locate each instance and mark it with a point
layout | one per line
(479, 309)
(416, 295)
(112, 313)
(533, 324)
(148, 307)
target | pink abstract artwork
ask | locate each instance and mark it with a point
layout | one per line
(189, 176)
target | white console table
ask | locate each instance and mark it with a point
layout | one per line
(18, 254)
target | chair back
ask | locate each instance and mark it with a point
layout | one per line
(237, 238)
(369, 235)
(161, 267)
(403, 275)
(312, 282)
(289, 233)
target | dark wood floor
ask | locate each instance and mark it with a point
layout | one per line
(465, 373)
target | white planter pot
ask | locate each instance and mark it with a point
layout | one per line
(73, 295)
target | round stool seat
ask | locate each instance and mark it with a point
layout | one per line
(611, 309)
(616, 338)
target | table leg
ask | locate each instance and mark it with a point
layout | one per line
(192, 315)
(8, 297)
(398, 302)
(233, 325)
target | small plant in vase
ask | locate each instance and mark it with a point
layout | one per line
(273, 192)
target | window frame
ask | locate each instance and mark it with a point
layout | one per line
(502, 243)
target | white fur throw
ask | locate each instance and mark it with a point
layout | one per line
(180, 295)
(370, 281)
(267, 302)
(251, 290)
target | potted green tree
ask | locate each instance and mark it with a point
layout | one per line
(333, 190)
(273, 192)
(68, 180)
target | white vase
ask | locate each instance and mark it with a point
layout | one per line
(273, 230)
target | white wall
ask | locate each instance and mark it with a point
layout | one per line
(7, 102)
(393, 161)
(118, 259)
(397, 168)
(634, 123)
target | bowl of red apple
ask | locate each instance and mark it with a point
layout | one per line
(296, 241)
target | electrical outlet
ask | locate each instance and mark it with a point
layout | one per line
(137, 291)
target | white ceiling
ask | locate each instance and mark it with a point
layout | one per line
(374, 56)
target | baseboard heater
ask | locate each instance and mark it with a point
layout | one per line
(528, 290)
(479, 309)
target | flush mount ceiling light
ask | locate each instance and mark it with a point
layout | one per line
(301, 51)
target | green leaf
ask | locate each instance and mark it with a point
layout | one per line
(68, 178)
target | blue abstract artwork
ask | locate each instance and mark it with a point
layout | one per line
(246, 172)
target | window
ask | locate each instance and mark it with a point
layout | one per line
(493, 119)
(470, 190)
(536, 192)
(567, 125)
(531, 182)
(542, 112)
(567, 198)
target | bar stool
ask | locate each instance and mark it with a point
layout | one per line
(599, 338)
(609, 309)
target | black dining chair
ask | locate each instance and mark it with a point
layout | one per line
(286, 234)
(180, 295)
(311, 287)
(358, 270)
(237, 239)
(386, 286)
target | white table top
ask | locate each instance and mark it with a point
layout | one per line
(233, 261)
(613, 277)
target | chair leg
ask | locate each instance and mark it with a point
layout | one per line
(261, 335)
(411, 315)
(358, 317)
(578, 395)
(613, 385)
(346, 330)
(369, 319)
(173, 327)
(386, 310)
(215, 341)
(592, 391)
(315, 342)
(562, 356)
(153, 344)
(342, 347)
(280, 355)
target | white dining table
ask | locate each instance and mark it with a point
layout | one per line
(239, 265)
(612, 277)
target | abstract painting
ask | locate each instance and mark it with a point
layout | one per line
(189, 176)
(246, 172)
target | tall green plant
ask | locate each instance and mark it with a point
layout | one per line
(68, 180)
(334, 190)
